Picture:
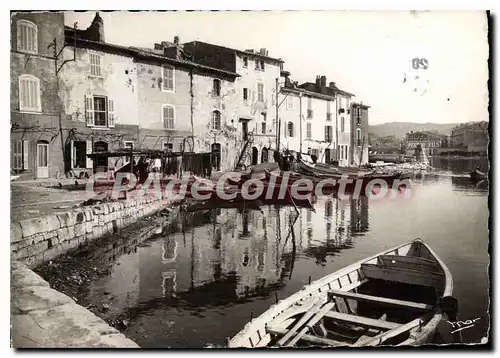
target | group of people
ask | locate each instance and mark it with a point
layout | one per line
(286, 160)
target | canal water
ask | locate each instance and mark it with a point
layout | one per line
(199, 281)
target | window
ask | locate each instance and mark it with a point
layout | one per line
(129, 144)
(245, 94)
(358, 137)
(256, 64)
(346, 152)
(261, 65)
(27, 36)
(290, 129)
(289, 103)
(168, 146)
(260, 92)
(309, 107)
(168, 78)
(17, 155)
(29, 94)
(264, 116)
(328, 113)
(328, 133)
(245, 61)
(263, 124)
(100, 111)
(309, 130)
(168, 113)
(341, 152)
(216, 90)
(95, 64)
(216, 120)
(342, 124)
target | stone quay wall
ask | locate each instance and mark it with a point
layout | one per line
(42, 317)
(37, 240)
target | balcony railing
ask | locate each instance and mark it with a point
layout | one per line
(309, 113)
(328, 116)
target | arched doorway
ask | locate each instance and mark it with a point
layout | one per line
(100, 163)
(255, 155)
(264, 157)
(216, 156)
(42, 159)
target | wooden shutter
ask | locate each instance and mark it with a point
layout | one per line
(111, 114)
(90, 163)
(89, 110)
(26, 155)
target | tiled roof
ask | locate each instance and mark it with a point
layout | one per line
(256, 54)
(141, 53)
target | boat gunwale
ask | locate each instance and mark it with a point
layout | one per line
(276, 309)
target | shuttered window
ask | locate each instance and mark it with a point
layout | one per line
(260, 92)
(168, 78)
(216, 120)
(19, 155)
(29, 93)
(99, 111)
(27, 36)
(95, 65)
(168, 117)
(308, 130)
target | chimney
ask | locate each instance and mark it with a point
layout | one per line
(332, 84)
(318, 83)
(176, 40)
(96, 29)
(323, 84)
(263, 52)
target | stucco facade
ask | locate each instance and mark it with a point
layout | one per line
(359, 133)
(36, 148)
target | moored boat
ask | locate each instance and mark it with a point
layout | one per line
(396, 297)
(477, 175)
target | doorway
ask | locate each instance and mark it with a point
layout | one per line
(255, 156)
(216, 155)
(42, 160)
(264, 157)
(100, 163)
(244, 129)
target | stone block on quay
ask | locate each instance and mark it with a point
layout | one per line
(89, 216)
(37, 298)
(16, 232)
(21, 276)
(89, 227)
(34, 226)
(79, 217)
(86, 329)
(65, 234)
(80, 229)
(67, 219)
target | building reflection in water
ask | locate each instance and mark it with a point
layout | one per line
(213, 259)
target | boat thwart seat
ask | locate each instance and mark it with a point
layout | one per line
(381, 300)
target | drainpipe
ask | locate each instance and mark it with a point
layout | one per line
(337, 126)
(300, 120)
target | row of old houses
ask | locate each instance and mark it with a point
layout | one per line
(73, 93)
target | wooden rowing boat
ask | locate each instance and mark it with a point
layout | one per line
(477, 175)
(391, 298)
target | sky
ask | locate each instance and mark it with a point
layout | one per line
(367, 53)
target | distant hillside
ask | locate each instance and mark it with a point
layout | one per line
(399, 129)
